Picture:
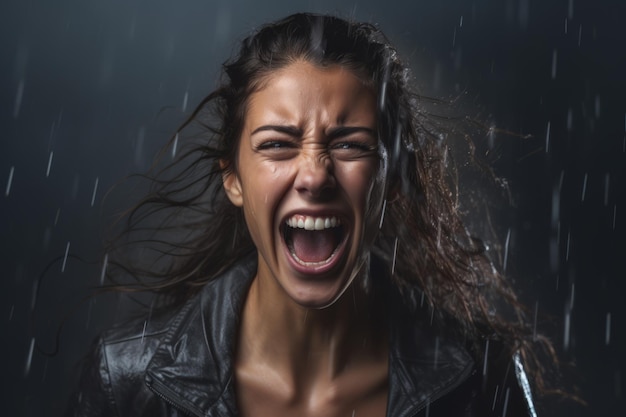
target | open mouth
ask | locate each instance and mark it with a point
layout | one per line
(313, 241)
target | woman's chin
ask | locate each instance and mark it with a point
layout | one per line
(315, 303)
(319, 293)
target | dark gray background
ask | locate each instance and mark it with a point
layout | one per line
(100, 86)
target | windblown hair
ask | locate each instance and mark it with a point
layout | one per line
(196, 233)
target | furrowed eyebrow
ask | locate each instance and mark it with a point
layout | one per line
(289, 130)
(341, 131)
(333, 133)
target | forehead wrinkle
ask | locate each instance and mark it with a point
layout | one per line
(312, 107)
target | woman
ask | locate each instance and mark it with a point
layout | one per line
(328, 273)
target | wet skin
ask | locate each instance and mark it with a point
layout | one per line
(309, 147)
(311, 341)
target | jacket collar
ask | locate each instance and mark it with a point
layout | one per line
(198, 377)
(424, 363)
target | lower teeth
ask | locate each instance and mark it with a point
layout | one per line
(304, 263)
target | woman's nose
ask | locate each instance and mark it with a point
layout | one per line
(315, 178)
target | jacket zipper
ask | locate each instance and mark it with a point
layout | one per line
(188, 411)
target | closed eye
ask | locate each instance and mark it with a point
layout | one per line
(277, 149)
(345, 145)
(274, 144)
(352, 150)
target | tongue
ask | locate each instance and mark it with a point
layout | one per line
(313, 245)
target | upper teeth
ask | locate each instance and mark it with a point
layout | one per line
(312, 223)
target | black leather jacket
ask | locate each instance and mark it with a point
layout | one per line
(182, 364)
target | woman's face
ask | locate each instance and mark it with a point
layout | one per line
(310, 178)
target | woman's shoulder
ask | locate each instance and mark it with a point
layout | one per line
(113, 370)
(137, 339)
(128, 347)
(128, 358)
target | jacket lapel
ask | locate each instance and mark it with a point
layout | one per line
(424, 364)
(198, 377)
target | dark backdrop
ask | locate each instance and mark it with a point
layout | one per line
(89, 91)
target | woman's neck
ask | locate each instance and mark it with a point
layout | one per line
(305, 346)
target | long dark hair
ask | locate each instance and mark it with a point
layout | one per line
(196, 233)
